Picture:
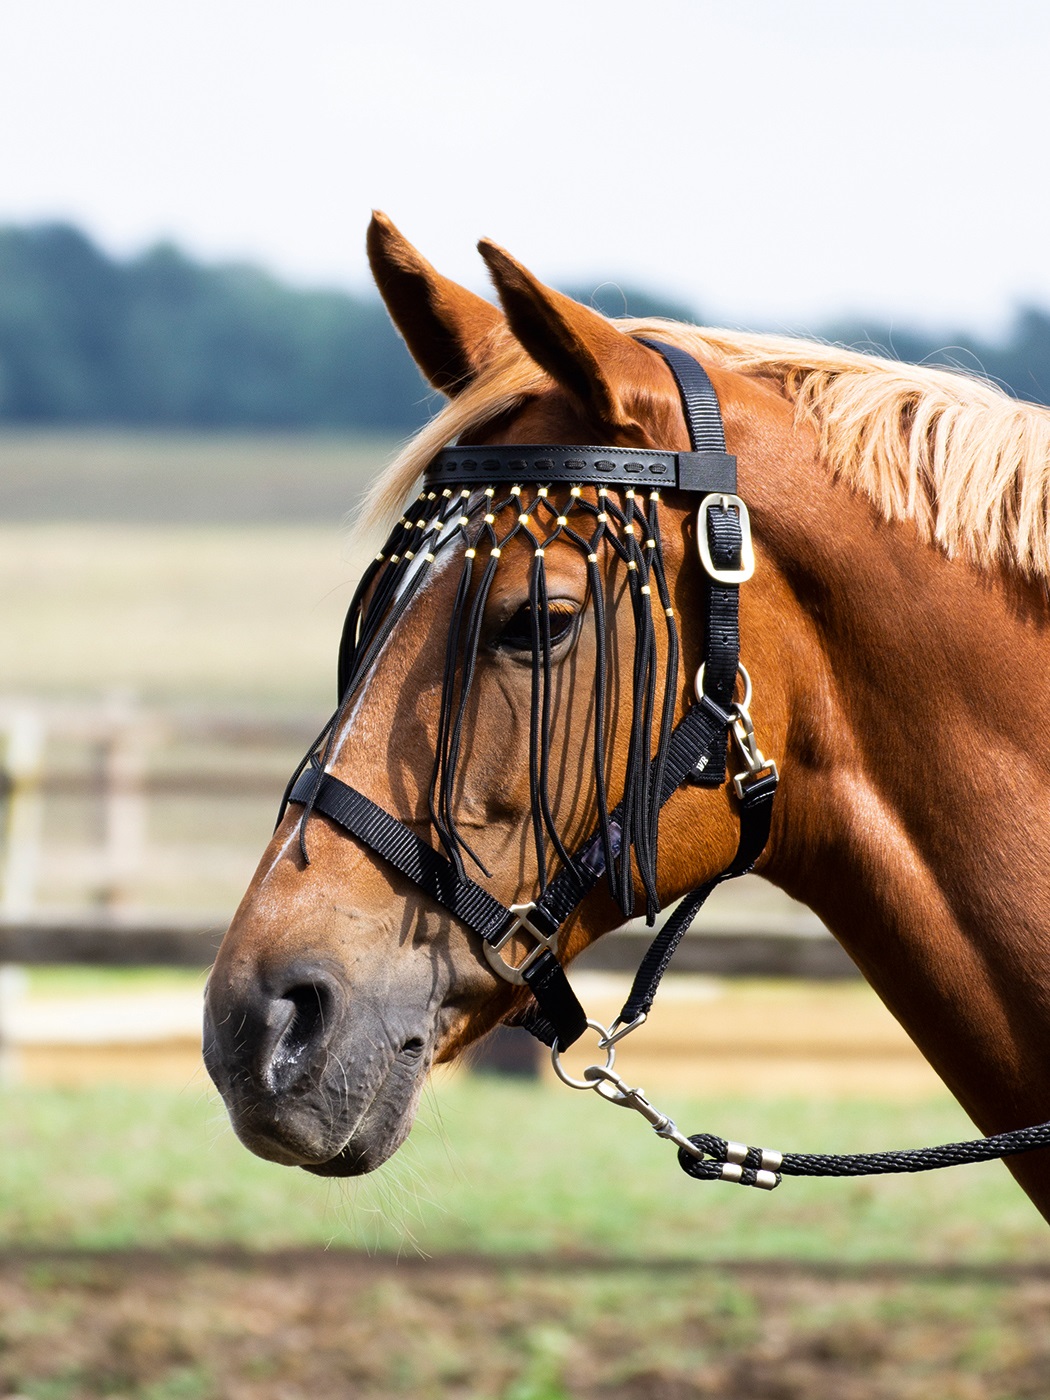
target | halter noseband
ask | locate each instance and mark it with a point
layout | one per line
(695, 753)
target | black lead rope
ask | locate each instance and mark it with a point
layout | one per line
(757, 1166)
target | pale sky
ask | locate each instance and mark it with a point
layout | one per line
(771, 163)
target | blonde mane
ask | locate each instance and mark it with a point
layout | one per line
(951, 452)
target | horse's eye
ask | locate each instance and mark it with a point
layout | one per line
(516, 634)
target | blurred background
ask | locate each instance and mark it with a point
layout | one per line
(196, 384)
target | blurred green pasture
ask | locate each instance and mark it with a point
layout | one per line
(500, 1167)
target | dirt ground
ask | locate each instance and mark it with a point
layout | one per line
(298, 1324)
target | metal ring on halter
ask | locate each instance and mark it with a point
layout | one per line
(698, 684)
(610, 1056)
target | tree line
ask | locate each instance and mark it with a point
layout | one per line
(162, 340)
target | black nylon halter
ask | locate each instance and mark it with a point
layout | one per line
(698, 744)
(696, 753)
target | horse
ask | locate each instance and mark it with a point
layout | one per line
(894, 634)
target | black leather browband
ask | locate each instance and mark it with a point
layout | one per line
(705, 472)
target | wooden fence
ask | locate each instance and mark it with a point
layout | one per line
(122, 780)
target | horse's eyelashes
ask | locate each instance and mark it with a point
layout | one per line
(517, 633)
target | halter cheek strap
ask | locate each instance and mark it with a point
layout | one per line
(696, 752)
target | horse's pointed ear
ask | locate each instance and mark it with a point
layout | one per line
(578, 347)
(444, 326)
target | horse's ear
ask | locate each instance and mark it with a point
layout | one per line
(444, 326)
(586, 354)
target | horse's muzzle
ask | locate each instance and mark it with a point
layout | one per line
(310, 1076)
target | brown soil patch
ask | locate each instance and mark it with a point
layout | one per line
(303, 1324)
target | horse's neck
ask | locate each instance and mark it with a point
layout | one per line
(916, 808)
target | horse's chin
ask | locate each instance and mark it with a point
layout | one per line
(358, 1158)
(384, 1126)
(321, 1130)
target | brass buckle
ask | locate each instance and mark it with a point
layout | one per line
(725, 500)
(545, 943)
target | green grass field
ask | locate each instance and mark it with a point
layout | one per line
(524, 1245)
(505, 1168)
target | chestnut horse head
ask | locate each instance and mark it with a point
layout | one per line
(520, 657)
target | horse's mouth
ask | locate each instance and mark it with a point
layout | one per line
(303, 1125)
(386, 1121)
(351, 1161)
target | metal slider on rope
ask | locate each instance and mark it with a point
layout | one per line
(715, 1159)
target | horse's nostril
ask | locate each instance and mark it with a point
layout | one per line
(306, 1012)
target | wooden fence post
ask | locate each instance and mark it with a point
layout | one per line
(123, 758)
(21, 826)
(21, 821)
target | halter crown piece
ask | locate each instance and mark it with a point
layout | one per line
(466, 490)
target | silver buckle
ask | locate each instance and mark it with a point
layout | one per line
(747, 552)
(546, 943)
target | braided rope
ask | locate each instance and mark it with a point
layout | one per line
(717, 1152)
